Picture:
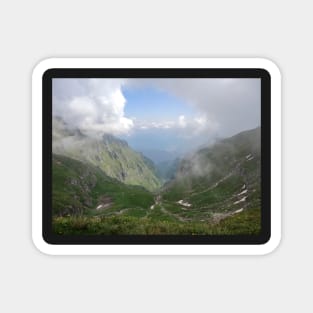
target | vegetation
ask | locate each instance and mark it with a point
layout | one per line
(79, 188)
(246, 223)
(216, 178)
(214, 191)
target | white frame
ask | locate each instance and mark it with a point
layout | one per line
(253, 249)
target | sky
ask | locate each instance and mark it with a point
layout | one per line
(173, 115)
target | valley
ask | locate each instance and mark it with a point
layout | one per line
(105, 187)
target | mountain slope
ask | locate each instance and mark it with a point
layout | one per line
(217, 181)
(111, 154)
(79, 189)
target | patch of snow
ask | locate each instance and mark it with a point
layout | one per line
(238, 211)
(181, 202)
(251, 158)
(242, 193)
(248, 156)
(103, 205)
(243, 187)
(241, 200)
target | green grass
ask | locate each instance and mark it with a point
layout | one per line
(158, 215)
(247, 222)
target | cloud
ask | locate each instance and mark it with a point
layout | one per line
(220, 107)
(185, 127)
(95, 106)
(224, 105)
(182, 121)
(140, 124)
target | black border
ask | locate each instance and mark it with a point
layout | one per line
(52, 238)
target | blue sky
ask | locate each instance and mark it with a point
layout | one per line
(147, 106)
(152, 104)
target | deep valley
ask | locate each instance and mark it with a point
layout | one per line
(103, 186)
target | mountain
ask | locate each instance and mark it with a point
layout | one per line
(219, 180)
(83, 189)
(110, 154)
(215, 190)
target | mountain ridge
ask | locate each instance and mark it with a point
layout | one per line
(111, 154)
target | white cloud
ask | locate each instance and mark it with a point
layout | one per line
(226, 106)
(200, 120)
(95, 106)
(232, 105)
(185, 126)
(197, 126)
(153, 124)
(182, 121)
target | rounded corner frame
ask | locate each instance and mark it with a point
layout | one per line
(254, 249)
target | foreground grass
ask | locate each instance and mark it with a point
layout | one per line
(247, 222)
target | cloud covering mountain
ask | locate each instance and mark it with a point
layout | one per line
(200, 109)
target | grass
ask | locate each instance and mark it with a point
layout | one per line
(244, 223)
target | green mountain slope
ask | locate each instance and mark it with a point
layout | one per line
(86, 201)
(110, 154)
(82, 189)
(218, 181)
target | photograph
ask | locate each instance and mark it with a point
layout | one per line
(156, 156)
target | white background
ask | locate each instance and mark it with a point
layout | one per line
(34, 30)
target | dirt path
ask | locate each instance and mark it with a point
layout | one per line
(120, 212)
(219, 181)
(157, 201)
(212, 187)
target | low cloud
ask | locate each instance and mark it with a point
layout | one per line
(196, 165)
(95, 106)
(186, 126)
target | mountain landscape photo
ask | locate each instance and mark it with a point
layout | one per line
(156, 157)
